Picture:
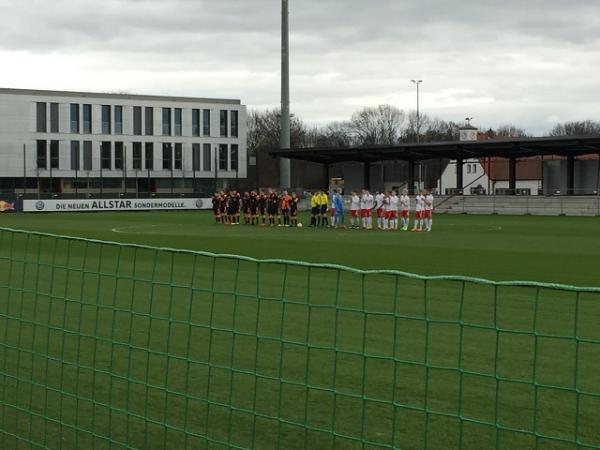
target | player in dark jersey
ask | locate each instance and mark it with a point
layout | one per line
(246, 207)
(224, 200)
(216, 207)
(235, 201)
(294, 210)
(253, 207)
(272, 207)
(262, 208)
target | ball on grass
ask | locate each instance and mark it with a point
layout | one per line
(299, 225)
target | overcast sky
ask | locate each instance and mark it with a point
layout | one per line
(527, 62)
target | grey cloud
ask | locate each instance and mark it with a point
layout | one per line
(524, 59)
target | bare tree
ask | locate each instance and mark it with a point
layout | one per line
(508, 131)
(264, 131)
(581, 128)
(377, 125)
(336, 134)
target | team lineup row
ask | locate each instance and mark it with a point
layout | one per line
(281, 209)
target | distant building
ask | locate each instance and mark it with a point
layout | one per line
(68, 142)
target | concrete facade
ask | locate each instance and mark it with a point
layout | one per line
(29, 118)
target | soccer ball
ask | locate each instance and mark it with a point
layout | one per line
(299, 225)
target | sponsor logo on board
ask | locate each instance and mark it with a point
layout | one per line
(6, 206)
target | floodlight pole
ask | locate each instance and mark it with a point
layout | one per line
(284, 163)
(418, 83)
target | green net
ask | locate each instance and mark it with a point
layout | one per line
(111, 346)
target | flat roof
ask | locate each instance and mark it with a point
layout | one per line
(158, 98)
(505, 148)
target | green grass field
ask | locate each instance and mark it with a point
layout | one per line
(551, 249)
(110, 347)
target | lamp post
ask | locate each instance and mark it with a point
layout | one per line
(417, 83)
(285, 141)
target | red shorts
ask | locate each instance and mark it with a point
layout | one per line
(418, 214)
(392, 215)
(404, 213)
(332, 211)
(380, 213)
(427, 214)
(354, 213)
(365, 213)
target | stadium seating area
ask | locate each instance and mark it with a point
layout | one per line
(534, 205)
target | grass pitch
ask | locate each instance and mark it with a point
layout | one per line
(551, 249)
(115, 347)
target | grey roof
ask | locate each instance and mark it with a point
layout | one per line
(157, 98)
(505, 148)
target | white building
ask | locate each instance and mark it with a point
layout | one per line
(67, 142)
(482, 176)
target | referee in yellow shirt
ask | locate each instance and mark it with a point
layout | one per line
(314, 209)
(323, 201)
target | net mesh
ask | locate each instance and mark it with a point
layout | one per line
(113, 346)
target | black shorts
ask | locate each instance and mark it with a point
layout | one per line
(262, 210)
(253, 211)
(272, 211)
(294, 212)
(285, 212)
(315, 210)
(323, 209)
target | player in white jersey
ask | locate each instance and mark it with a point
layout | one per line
(386, 210)
(419, 207)
(393, 210)
(380, 209)
(366, 207)
(354, 210)
(428, 211)
(405, 209)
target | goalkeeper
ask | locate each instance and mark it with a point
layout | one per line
(340, 213)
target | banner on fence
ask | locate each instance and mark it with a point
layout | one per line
(162, 204)
(6, 206)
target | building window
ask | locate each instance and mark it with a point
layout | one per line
(42, 157)
(234, 124)
(149, 156)
(468, 168)
(54, 118)
(118, 120)
(54, 155)
(105, 156)
(118, 155)
(105, 119)
(206, 158)
(474, 168)
(137, 156)
(41, 117)
(137, 120)
(195, 122)
(75, 155)
(206, 122)
(196, 157)
(87, 155)
(234, 156)
(178, 157)
(74, 118)
(149, 120)
(87, 119)
(223, 163)
(223, 121)
(166, 121)
(167, 156)
(178, 121)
